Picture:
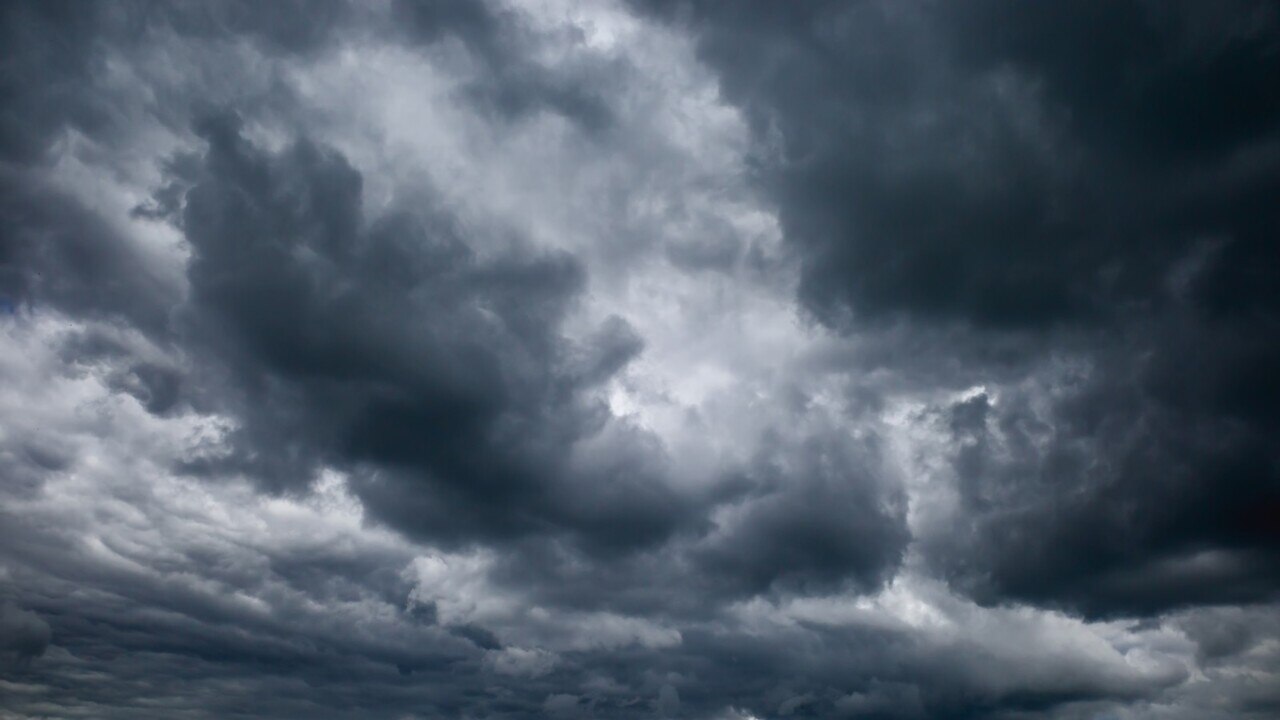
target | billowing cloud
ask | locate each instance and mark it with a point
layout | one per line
(608, 359)
(1078, 187)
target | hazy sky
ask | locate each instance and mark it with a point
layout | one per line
(557, 359)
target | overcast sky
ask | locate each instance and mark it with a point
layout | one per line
(608, 359)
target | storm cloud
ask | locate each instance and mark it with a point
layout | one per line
(639, 359)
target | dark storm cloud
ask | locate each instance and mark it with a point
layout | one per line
(172, 648)
(1064, 180)
(441, 378)
(349, 452)
(57, 54)
(948, 162)
(815, 671)
(48, 52)
(816, 518)
(384, 345)
(395, 349)
(1110, 505)
(56, 252)
(25, 635)
(803, 517)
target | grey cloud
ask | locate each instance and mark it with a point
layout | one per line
(395, 346)
(1221, 634)
(365, 448)
(1009, 187)
(58, 57)
(25, 635)
(818, 517)
(440, 377)
(946, 164)
(55, 252)
(513, 86)
(1127, 496)
(50, 54)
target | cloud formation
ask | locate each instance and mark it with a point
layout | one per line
(1084, 187)
(607, 359)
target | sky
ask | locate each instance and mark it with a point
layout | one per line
(886, 359)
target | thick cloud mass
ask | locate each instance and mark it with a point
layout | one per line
(391, 345)
(1077, 182)
(639, 359)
